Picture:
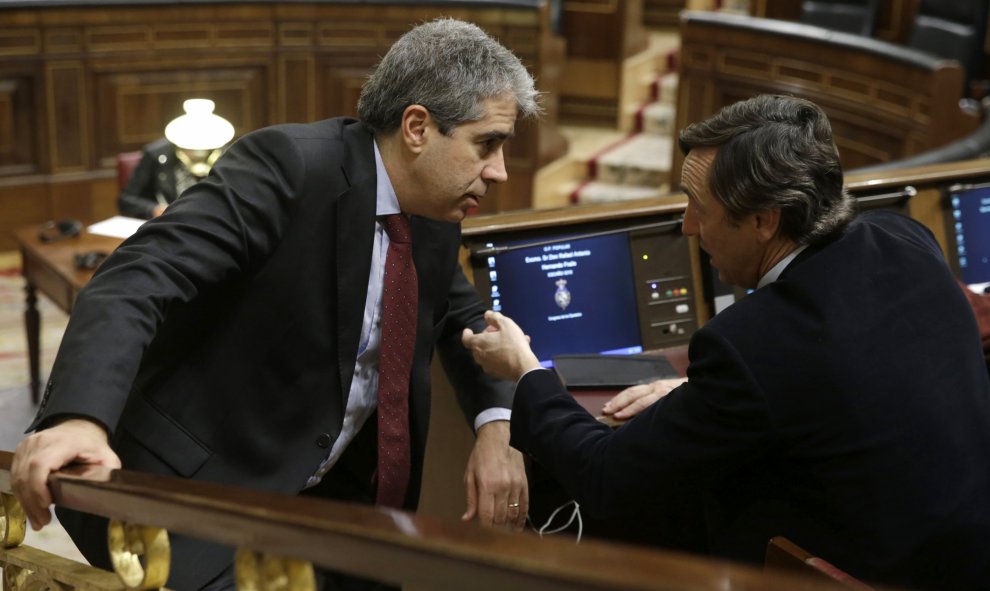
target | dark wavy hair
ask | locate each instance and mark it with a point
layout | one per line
(775, 152)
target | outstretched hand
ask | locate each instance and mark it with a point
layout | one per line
(502, 349)
(74, 441)
(634, 399)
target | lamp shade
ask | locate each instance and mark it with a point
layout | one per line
(200, 128)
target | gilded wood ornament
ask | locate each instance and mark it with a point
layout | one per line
(262, 572)
(140, 554)
(12, 522)
(16, 578)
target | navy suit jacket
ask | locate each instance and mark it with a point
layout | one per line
(219, 341)
(845, 406)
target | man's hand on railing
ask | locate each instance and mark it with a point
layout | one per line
(73, 441)
(497, 489)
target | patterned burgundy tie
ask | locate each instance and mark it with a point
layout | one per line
(398, 338)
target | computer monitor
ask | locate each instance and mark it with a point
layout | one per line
(603, 288)
(968, 233)
(573, 294)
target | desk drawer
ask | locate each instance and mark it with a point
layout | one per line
(47, 281)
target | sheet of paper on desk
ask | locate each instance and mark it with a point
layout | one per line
(118, 226)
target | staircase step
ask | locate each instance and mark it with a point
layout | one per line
(632, 161)
(667, 89)
(643, 159)
(598, 192)
(658, 119)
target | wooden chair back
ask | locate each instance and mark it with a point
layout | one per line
(126, 163)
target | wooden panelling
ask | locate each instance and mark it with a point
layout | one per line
(19, 42)
(662, 13)
(63, 40)
(67, 125)
(296, 34)
(7, 131)
(341, 88)
(592, 79)
(138, 99)
(22, 203)
(18, 124)
(182, 35)
(885, 102)
(352, 37)
(297, 87)
(74, 198)
(600, 35)
(80, 84)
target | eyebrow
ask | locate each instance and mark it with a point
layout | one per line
(496, 135)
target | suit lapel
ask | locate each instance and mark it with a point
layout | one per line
(354, 234)
(425, 257)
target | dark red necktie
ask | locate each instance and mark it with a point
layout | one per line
(398, 338)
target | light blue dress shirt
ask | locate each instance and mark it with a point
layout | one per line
(363, 396)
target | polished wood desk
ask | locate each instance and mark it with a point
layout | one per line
(50, 267)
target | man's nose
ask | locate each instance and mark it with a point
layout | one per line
(494, 171)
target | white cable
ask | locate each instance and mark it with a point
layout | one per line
(576, 514)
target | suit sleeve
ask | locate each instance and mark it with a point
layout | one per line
(220, 230)
(476, 390)
(700, 432)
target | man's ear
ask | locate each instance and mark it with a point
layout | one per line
(767, 223)
(415, 127)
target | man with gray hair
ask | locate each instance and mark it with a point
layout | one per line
(274, 328)
(843, 404)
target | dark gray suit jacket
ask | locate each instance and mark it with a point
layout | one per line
(153, 176)
(845, 406)
(219, 342)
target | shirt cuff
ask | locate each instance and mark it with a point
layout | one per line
(490, 415)
(498, 413)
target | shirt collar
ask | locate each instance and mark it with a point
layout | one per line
(387, 202)
(774, 273)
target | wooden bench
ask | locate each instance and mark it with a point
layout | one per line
(884, 101)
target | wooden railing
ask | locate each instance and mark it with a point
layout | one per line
(289, 534)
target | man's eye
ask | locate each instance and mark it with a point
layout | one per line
(489, 146)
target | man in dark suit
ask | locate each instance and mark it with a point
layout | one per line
(170, 165)
(843, 404)
(153, 184)
(236, 338)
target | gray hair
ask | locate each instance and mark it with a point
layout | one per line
(450, 67)
(775, 152)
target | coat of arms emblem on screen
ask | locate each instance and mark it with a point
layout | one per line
(562, 295)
